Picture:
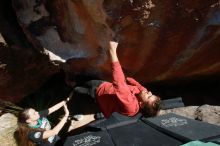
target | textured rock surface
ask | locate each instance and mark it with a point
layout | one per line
(158, 40)
(205, 113)
(7, 129)
(22, 72)
(210, 114)
(23, 68)
(183, 111)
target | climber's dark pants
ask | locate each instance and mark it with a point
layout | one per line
(89, 88)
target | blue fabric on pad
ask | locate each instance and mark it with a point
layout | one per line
(199, 143)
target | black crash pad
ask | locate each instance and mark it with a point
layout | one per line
(121, 130)
(100, 138)
(135, 134)
(183, 128)
(115, 120)
(172, 103)
(140, 134)
(215, 139)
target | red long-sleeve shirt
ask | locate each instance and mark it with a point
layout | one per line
(119, 96)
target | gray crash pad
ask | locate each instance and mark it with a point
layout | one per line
(183, 128)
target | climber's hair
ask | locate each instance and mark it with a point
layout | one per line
(21, 134)
(152, 110)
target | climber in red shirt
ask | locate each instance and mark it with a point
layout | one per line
(125, 96)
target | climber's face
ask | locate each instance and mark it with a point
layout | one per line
(146, 98)
(33, 115)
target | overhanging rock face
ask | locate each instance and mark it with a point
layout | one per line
(23, 69)
(158, 40)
